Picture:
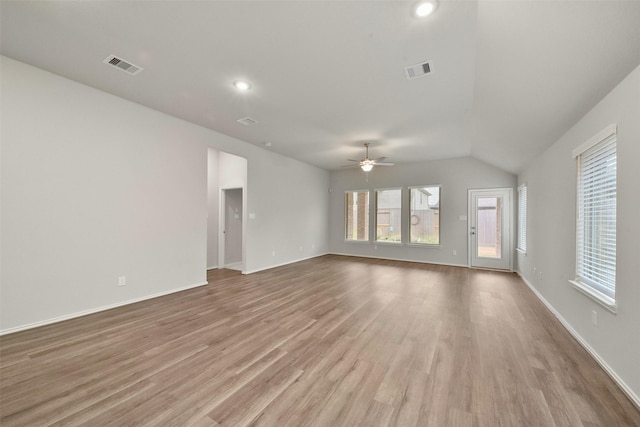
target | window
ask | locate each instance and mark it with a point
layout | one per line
(357, 215)
(596, 217)
(389, 215)
(425, 215)
(522, 218)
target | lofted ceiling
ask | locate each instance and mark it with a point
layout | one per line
(508, 77)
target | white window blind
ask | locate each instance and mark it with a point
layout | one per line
(522, 218)
(596, 216)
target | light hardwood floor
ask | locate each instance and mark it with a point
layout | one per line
(332, 341)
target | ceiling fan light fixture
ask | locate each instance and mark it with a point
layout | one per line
(366, 165)
(242, 85)
(425, 8)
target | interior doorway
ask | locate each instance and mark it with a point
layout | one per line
(231, 213)
(490, 228)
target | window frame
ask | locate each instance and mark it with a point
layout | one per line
(584, 280)
(367, 217)
(375, 214)
(418, 244)
(521, 243)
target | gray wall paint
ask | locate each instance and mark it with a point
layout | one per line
(456, 176)
(551, 187)
(213, 197)
(232, 171)
(95, 187)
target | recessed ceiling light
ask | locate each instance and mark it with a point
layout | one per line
(242, 85)
(426, 8)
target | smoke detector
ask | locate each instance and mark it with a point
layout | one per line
(123, 65)
(419, 70)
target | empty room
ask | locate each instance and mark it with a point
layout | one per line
(319, 213)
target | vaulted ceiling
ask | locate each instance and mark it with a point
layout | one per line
(508, 77)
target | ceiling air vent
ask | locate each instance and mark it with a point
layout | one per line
(247, 121)
(418, 70)
(123, 65)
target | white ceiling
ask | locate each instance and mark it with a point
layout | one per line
(509, 77)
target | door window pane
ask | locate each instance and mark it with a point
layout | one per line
(489, 227)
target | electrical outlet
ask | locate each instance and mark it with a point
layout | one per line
(300, 248)
(594, 318)
(273, 253)
(455, 252)
(539, 275)
(122, 281)
(313, 246)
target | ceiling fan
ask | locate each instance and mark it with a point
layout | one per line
(367, 164)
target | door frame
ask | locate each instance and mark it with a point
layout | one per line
(510, 215)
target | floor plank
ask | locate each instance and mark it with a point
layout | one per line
(331, 341)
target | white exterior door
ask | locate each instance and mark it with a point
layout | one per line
(490, 228)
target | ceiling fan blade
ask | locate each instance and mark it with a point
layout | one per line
(351, 160)
(351, 166)
(383, 164)
(380, 159)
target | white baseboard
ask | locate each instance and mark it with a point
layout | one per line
(237, 266)
(400, 259)
(213, 267)
(284, 263)
(96, 310)
(635, 399)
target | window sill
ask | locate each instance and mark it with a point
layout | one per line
(603, 300)
(360, 242)
(385, 242)
(523, 252)
(424, 245)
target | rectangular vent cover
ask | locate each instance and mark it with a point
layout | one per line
(247, 121)
(123, 65)
(419, 70)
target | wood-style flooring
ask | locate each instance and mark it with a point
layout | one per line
(332, 341)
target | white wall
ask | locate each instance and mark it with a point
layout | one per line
(551, 182)
(232, 171)
(456, 176)
(290, 211)
(95, 187)
(213, 197)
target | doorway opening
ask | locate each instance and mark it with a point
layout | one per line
(226, 203)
